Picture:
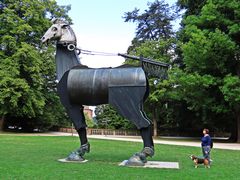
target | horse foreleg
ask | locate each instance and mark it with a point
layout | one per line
(77, 116)
(75, 113)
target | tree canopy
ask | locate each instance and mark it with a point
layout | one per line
(27, 70)
(202, 89)
(210, 47)
(154, 23)
(154, 39)
(107, 117)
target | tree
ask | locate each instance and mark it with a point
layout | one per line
(210, 48)
(230, 90)
(27, 70)
(153, 24)
(89, 121)
(107, 117)
(154, 39)
(191, 7)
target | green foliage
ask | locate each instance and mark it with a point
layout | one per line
(160, 51)
(191, 6)
(210, 53)
(183, 86)
(202, 88)
(154, 39)
(107, 117)
(231, 89)
(154, 23)
(89, 121)
(200, 52)
(27, 70)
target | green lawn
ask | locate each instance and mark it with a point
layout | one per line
(35, 157)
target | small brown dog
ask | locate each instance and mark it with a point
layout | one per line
(198, 160)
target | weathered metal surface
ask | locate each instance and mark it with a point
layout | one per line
(60, 31)
(65, 60)
(125, 88)
(91, 86)
(151, 67)
(128, 101)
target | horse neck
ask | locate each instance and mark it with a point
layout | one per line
(65, 60)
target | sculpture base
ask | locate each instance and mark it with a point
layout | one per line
(155, 164)
(67, 161)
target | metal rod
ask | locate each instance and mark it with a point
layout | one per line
(147, 60)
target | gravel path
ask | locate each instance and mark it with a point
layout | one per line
(230, 146)
(172, 141)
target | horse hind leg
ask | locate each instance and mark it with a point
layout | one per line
(75, 113)
(128, 101)
(140, 158)
(146, 133)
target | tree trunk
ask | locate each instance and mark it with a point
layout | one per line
(237, 110)
(1, 122)
(238, 128)
(155, 123)
(235, 132)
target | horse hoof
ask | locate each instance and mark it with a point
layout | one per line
(135, 161)
(74, 156)
(85, 148)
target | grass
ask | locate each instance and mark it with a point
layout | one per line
(35, 157)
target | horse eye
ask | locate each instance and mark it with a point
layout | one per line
(54, 29)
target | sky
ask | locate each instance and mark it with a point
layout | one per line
(99, 26)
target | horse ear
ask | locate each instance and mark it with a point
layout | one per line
(54, 20)
(59, 21)
(64, 25)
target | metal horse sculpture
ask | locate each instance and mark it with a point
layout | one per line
(124, 87)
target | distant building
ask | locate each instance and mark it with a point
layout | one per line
(88, 111)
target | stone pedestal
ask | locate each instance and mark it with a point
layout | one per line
(66, 161)
(155, 164)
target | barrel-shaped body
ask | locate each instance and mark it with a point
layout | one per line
(88, 86)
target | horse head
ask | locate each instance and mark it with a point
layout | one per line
(60, 31)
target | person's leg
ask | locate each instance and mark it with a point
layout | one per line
(209, 151)
(206, 153)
